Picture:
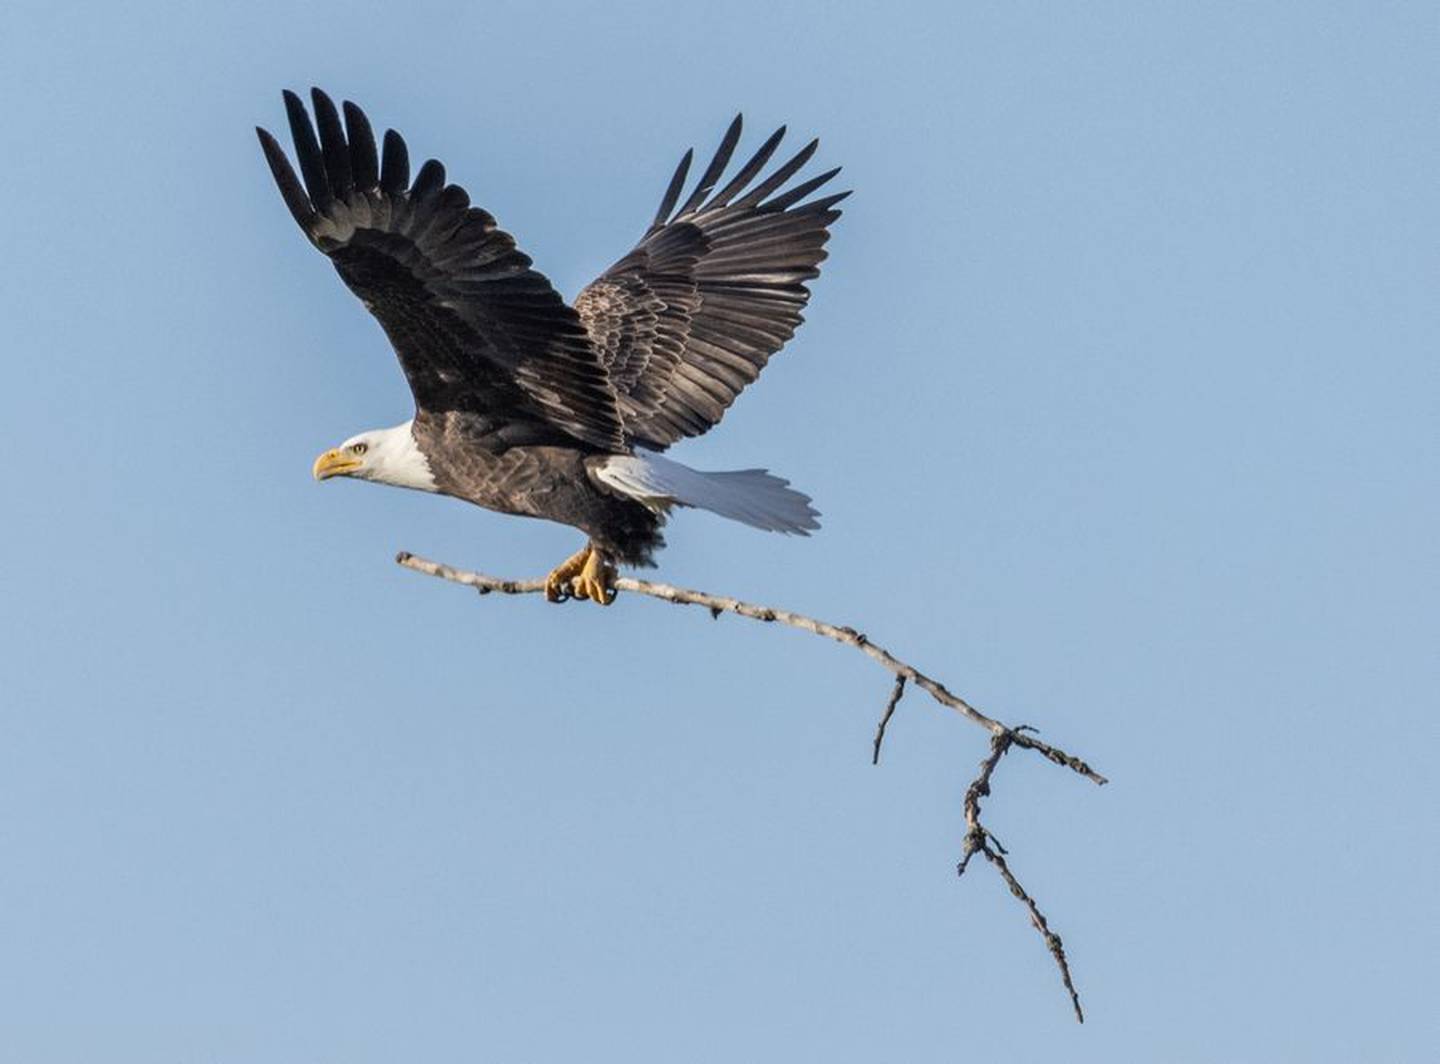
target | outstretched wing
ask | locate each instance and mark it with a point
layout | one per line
(690, 317)
(475, 327)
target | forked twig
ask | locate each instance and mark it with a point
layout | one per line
(978, 839)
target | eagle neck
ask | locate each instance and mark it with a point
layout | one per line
(397, 459)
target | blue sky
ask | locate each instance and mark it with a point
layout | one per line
(1119, 397)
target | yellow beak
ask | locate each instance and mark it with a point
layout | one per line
(335, 463)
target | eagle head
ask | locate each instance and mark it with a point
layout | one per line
(389, 456)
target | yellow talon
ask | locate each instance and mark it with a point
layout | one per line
(558, 583)
(597, 580)
(585, 574)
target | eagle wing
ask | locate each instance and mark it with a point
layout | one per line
(692, 314)
(474, 326)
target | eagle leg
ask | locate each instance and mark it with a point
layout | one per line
(557, 584)
(597, 579)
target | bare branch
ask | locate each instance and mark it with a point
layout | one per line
(718, 604)
(1002, 736)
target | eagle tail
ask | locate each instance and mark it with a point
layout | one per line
(751, 496)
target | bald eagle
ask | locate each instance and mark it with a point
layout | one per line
(529, 406)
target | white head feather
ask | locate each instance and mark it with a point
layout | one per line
(390, 456)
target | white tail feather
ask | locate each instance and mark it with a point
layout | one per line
(751, 496)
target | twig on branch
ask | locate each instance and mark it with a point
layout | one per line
(895, 697)
(977, 838)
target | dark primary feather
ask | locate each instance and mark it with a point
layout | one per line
(716, 167)
(692, 314)
(395, 169)
(672, 193)
(475, 327)
(307, 150)
(749, 170)
(333, 147)
(363, 157)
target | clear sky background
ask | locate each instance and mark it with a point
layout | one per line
(1119, 397)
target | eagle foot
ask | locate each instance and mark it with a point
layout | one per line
(585, 574)
(557, 584)
(596, 580)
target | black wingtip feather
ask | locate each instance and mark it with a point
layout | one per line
(307, 152)
(825, 203)
(395, 170)
(800, 191)
(430, 179)
(780, 176)
(364, 161)
(290, 188)
(672, 191)
(332, 144)
(749, 170)
(716, 167)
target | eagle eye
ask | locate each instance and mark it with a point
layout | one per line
(359, 448)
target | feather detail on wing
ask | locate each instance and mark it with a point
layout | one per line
(691, 316)
(475, 327)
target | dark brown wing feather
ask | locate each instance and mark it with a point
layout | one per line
(475, 327)
(691, 316)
